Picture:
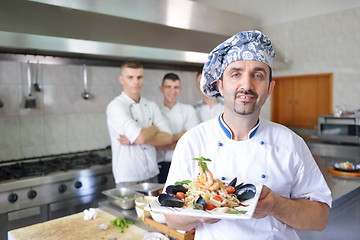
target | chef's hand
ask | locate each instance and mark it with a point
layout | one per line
(123, 140)
(186, 222)
(265, 204)
(209, 220)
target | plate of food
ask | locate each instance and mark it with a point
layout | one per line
(208, 197)
(346, 166)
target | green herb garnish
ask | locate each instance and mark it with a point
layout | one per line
(237, 212)
(202, 162)
(183, 182)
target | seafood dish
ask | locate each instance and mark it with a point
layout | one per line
(209, 195)
(347, 166)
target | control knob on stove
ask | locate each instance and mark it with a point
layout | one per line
(32, 194)
(62, 188)
(78, 184)
(13, 197)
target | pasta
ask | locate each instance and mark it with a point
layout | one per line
(218, 198)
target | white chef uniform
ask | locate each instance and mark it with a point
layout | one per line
(273, 155)
(124, 116)
(179, 118)
(204, 112)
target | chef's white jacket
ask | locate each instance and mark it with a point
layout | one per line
(273, 155)
(124, 116)
(179, 118)
(204, 112)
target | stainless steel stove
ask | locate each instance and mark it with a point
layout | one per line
(40, 189)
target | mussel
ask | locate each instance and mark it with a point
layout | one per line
(173, 189)
(200, 203)
(233, 184)
(245, 192)
(167, 200)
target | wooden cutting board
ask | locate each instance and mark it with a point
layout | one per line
(169, 231)
(74, 227)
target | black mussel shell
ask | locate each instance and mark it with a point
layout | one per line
(166, 200)
(173, 189)
(245, 192)
(200, 203)
(239, 186)
(233, 182)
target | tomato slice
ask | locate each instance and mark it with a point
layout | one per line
(230, 189)
(209, 206)
(180, 195)
(217, 198)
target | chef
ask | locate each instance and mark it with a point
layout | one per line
(180, 117)
(207, 108)
(241, 144)
(136, 127)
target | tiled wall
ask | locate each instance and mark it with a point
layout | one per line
(63, 122)
(323, 44)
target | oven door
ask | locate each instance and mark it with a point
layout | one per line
(22, 218)
(74, 205)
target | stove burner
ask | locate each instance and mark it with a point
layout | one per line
(43, 167)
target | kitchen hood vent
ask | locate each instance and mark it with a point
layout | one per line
(167, 31)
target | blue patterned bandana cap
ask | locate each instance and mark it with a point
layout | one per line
(248, 45)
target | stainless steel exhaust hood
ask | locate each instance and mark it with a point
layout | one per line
(167, 31)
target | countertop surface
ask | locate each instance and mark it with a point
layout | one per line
(326, 155)
(75, 227)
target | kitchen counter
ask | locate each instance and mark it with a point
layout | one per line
(74, 227)
(339, 186)
(327, 154)
(344, 215)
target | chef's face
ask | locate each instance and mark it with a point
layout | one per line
(245, 87)
(171, 90)
(132, 80)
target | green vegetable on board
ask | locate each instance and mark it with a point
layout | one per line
(121, 223)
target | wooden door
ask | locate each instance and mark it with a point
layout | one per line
(297, 101)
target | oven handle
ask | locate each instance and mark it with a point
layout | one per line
(65, 204)
(24, 213)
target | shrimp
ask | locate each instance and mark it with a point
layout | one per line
(206, 180)
(206, 177)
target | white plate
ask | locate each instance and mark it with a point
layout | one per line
(155, 206)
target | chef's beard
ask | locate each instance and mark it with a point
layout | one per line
(245, 108)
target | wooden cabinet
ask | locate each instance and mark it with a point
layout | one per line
(298, 100)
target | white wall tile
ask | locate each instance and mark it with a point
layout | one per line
(345, 22)
(11, 153)
(33, 151)
(10, 132)
(327, 25)
(56, 148)
(32, 131)
(9, 95)
(55, 129)
(9, 73)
